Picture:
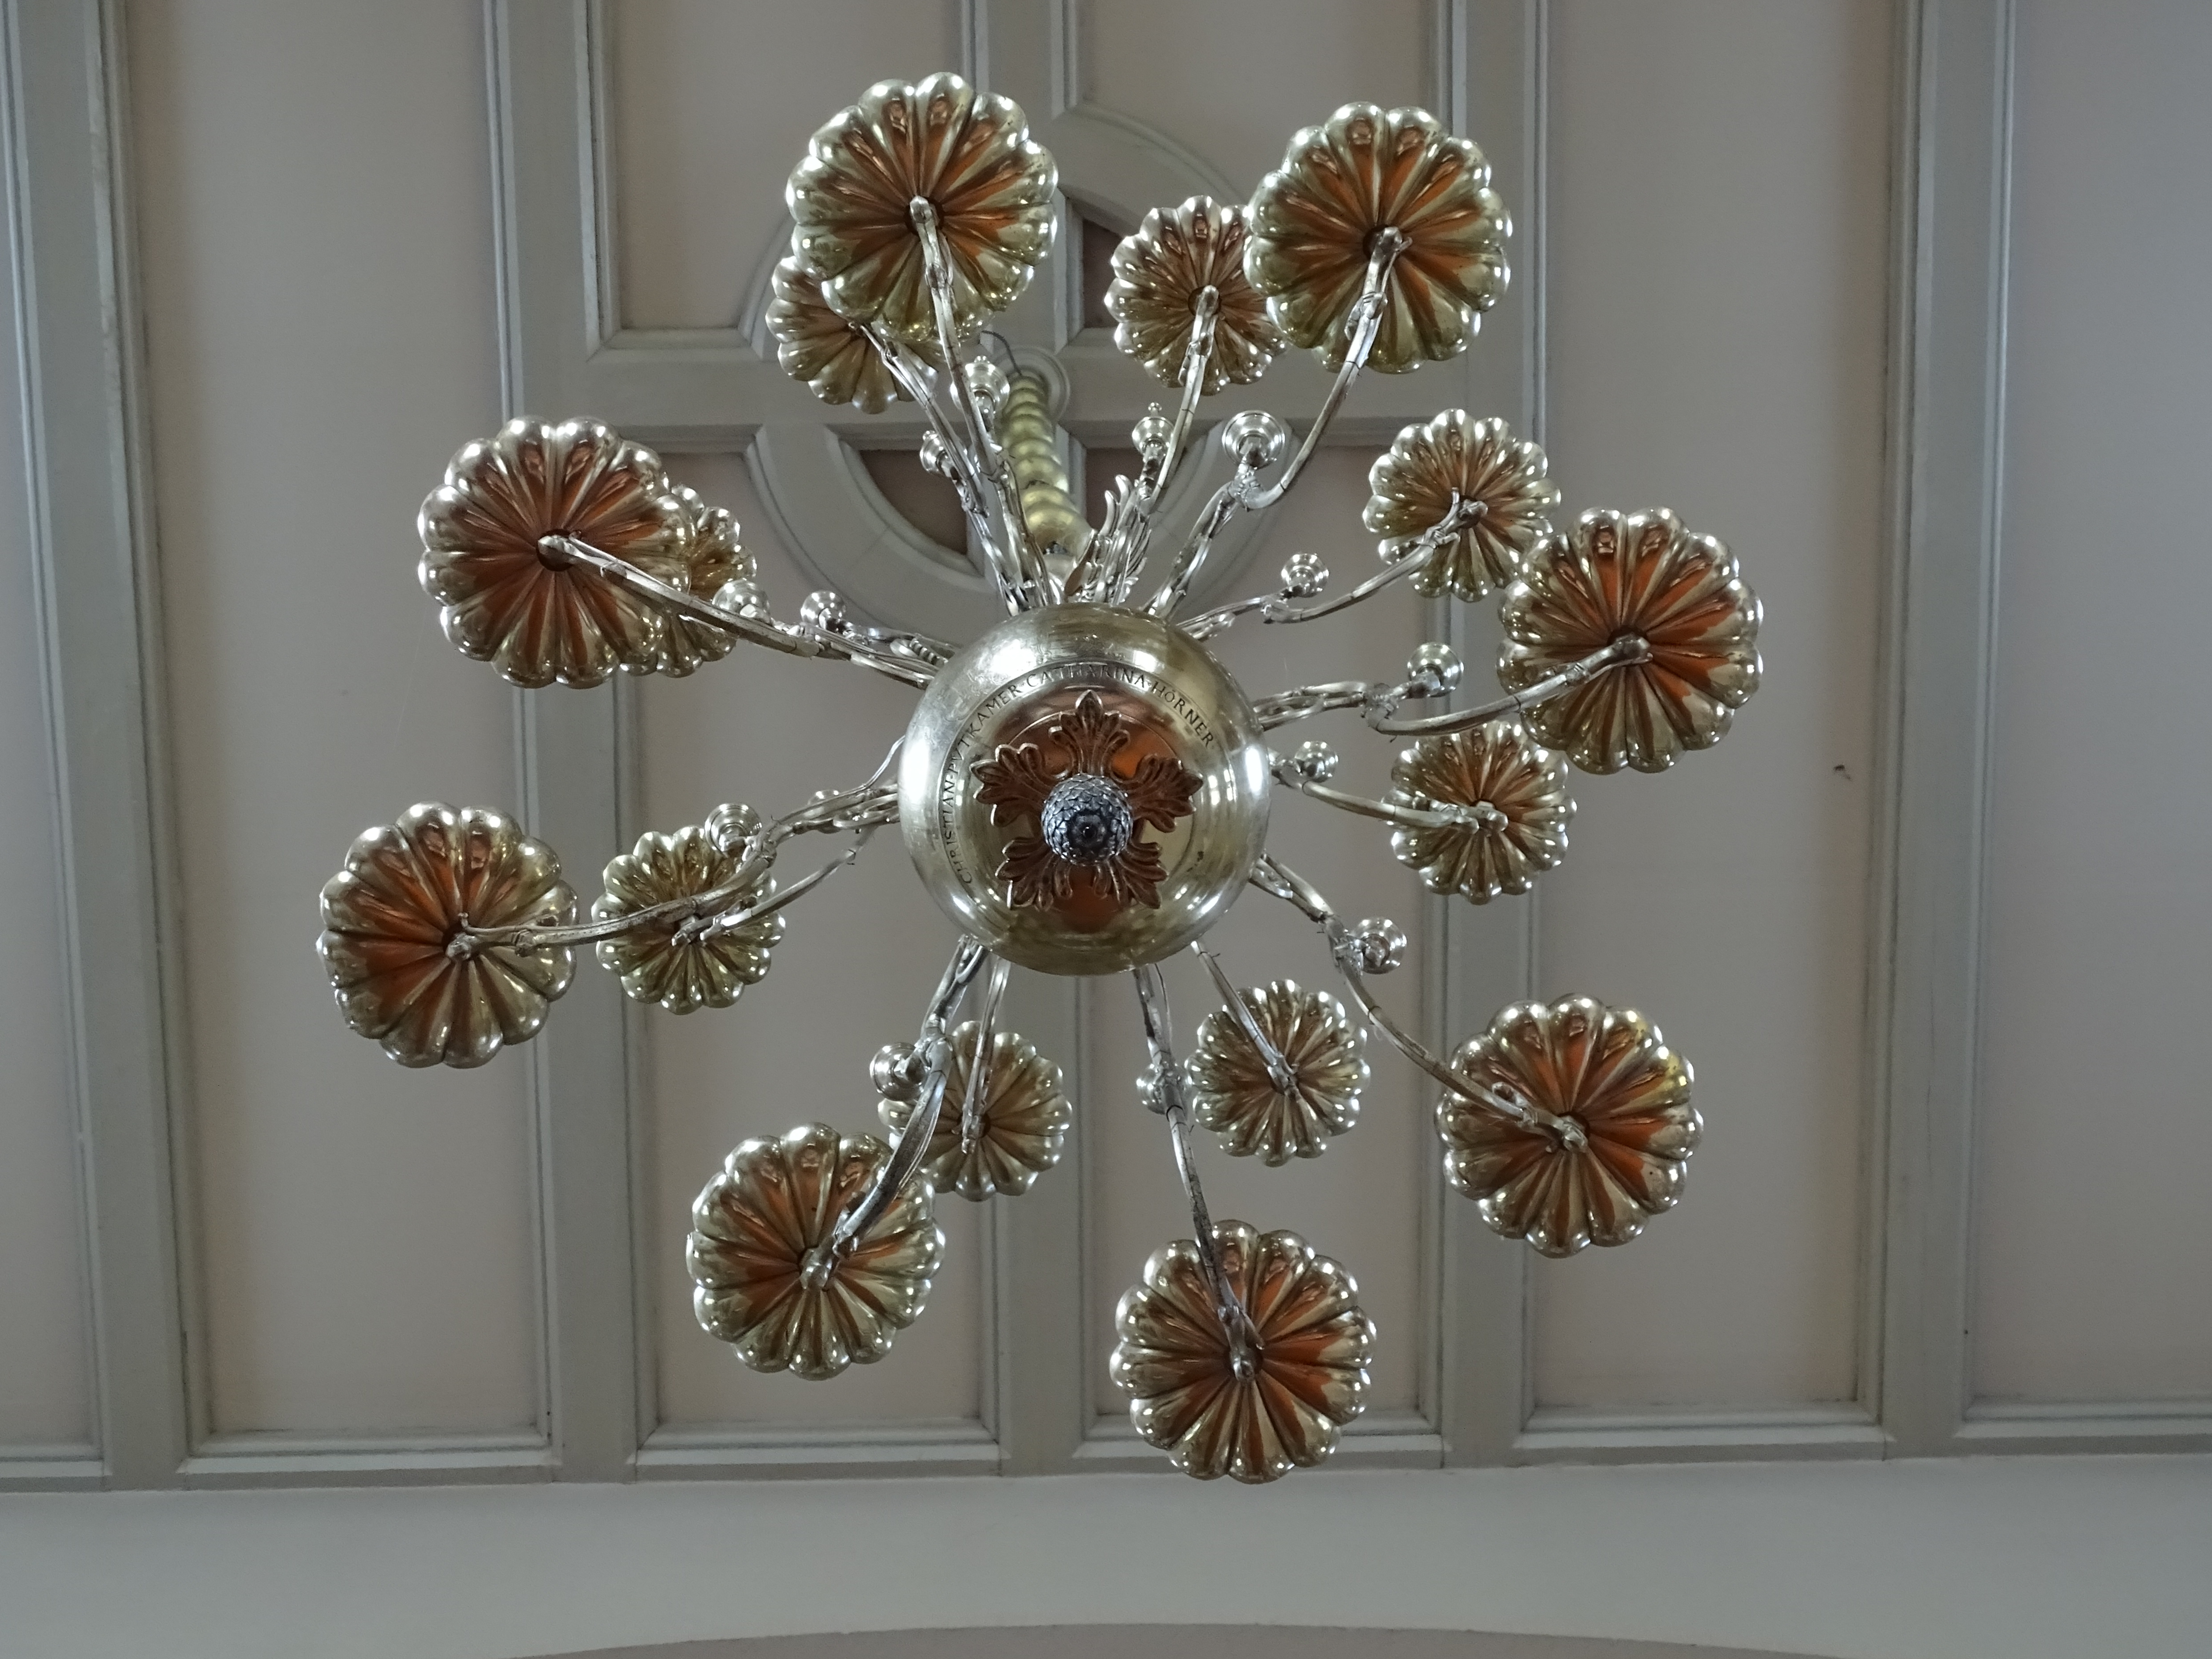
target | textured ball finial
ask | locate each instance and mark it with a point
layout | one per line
(1086, 819)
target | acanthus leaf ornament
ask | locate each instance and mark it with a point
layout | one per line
(1314, 221)
(1456, 457)
(393, 941)
(1084, 789)
(1257, 1410)
(967, 153)
(766, 1278)
(1622, 1099)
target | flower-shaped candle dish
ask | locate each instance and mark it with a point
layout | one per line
(1623, 1124)
(1317, 218)
(1282, 1078)
(1161, 276)
(1641, 577)
(824, 348)
(1452, 462)
(681, 961)
(969, 156)
(392, 942)
(1016, 1131)
(1504, 797)
(496, 554)
(771, 1280)
(1252, 1404)
(1084, 789)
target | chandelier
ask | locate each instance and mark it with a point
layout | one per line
(1083, 788)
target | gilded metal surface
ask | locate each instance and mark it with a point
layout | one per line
(535, 615)
(1017, 686)
(1023, 1125)
(762, 1282)
(1511, 794)
(1158, 274)
(1234, 1093)
(391, 915)
(1031, 441)
(1640, 574)
(1085, 814)
(685, 964)
(1313, 225)
(1609, 1073)
(1281, 1408)
(1084, 789)
(825, 348)
(1479, 461)
(718, 558)
(969, 155)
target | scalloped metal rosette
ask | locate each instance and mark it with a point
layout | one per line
(1623, 1099)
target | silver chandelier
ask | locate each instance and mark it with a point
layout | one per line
(1083, 788)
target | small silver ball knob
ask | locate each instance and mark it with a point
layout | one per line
(1435, 668)
(1256, 437)
(1315, 763)
(896, 1071)
(740, 597)
(1379, 945)
(824, 612)
(1304, 576)
(936, 456)
(987, 384)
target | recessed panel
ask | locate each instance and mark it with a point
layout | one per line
(1361, 1200)
(315, 219)
(2094, 1135)
(713, 102)
(859, 960)
(1717, 243)
(1230, 82)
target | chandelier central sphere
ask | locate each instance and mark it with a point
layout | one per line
(1083, 788)
(1083, 715)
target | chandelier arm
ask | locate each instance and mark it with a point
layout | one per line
(794, 642)
(1167, 1100)
(864, 809)
(1031, 578)
(912, 1142)
(1197, 360)
(730, 921)
(1627, 649)
(1273, 876)
(1414, 817)
(986, 1023)
(1239, 492)
(1282, 1077)
(1456, 518)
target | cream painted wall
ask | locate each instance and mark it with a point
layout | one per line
(2097, 1114)
(321, 336)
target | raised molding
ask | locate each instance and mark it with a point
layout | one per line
(229, 1460)
(93, 552)
(60, 1467)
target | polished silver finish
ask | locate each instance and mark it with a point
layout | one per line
(1021, 687)
(1082, 788)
